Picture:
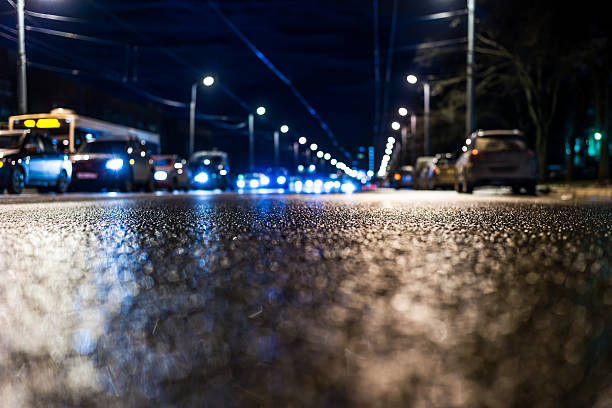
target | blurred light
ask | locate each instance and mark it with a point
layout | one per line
(114, 164)
(241, 183)
(412, 79)
(264, 180)
(143, 154)
(468, 141)
(281, 179)
(333, 162)
(388, 151)
(328, 186)
(301, 168)
(208, 81)
(284, 129)
(402, 111)
(475, 152)
(298, 186)
(397, 177)
(48, 123)
(302, 140)
(464, 148)
(206, 162)
(318, 186)
(597, 136)
(320, 154)
(370, 173)
(327, 156)
(88, 136)
(396, 126)
(261, 111)
(348, 188)
(29, 123)
(130, 150)
(160, 175)
(254, 183)
(391, 139)
(201, 178)
(314, 147)
(178, 165)
(309, 184)
(223, 172)
(337, 184)
(132, 161)
(386, 157)
(312, 168)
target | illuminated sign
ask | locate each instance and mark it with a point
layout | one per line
(47, 124)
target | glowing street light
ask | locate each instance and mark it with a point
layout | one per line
(284, 129)
(396, 126)
(412, 79)
(302, 140)
(402, 111)
(327, 156)
(391, 139)
(314, 147)
(597, 136)
(261, 111)
(333, 162)
(208, 81)
(320, 154)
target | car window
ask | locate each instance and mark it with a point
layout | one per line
(105, 147)
(32, 142)
(10, 141)
(499, 144)
(48, 146)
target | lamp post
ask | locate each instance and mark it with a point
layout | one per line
(208, 82)
(22, 92)
(469, 112)
(411, 79)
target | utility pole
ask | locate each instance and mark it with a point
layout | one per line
(276, 148)
(469, 112)
(22, 85)
(192, 111)
(251, 142)
(427, 94)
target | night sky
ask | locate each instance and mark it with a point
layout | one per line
(325, 47)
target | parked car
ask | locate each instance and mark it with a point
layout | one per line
(403, 178)
(171, 173)
(419, 179)
(113, 164)
(441, 173)
(252, 181)
(496, 158)
(32, 160)
(210, 170)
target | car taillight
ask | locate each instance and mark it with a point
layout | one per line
(436, 170)
(475, 153)
(397, 177)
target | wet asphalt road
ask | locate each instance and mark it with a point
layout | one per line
(384, 299)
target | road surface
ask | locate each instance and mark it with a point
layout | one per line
(424, 299)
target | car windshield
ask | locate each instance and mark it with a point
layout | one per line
(105, 147)
(163, 162)
(500, 143)
(208, 160)
(10, 141)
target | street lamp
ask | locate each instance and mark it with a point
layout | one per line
(207, 81)
(314, 147)
(284, 129)
(327, 156)
(302, 140)
(426, 96)
(402, 111)
(261, 111)
(396, 126)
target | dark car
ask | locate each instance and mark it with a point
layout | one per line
(210, 170)
(403, 178)
(113, 164)
(171, 173)
(32, 160)
(442, 172)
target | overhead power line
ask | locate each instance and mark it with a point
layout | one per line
(260, 55)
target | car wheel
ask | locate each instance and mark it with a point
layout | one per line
(516, 190)
(127, 184)
(62, 183)
(16, 181)
(150, 186)
(531, 189)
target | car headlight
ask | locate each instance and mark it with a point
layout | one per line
(201, 178)
(264, 181)
(254, 183)
(348, 188)
(240, 184)
(114, 164)
(160, 175)
(281, 179)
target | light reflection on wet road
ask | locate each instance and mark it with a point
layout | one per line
(406, 299)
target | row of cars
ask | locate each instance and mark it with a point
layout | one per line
(32, 160)
(488, 158)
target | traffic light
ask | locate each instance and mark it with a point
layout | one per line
(597, 136)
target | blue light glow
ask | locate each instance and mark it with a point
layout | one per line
(241, 183)
(114, 164)
(281, 179)
(201, 178)
(160, 175)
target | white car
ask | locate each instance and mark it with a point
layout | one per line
(496, 158)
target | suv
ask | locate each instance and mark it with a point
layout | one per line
(112, 163)
(496, 158)
(32, 160)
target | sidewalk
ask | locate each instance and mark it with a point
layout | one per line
(578, 190)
